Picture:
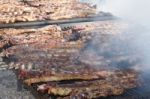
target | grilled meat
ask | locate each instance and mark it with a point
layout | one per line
(49, 46)
(25, 10)
(29, 36)
(11, 13)
(104, 89)
(47, 30)
(60, 77)
(84, 32)
(111, 85)
(25, 49)
(60, 61)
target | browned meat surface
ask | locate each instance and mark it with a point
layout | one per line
(80, 61)
(27, 10)
(60, 77)
(29, 36)
(42, 38)
(103, 88)
(55, 34)
(115, 84)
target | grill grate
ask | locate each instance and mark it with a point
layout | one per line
(142, 92)
(137, 93)
(62, 23)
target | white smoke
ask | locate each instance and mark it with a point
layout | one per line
(134, 11)
(138, 12)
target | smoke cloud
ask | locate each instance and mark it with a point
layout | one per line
(137, 13)
(134, 10)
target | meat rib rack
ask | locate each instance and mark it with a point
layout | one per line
(65, 24)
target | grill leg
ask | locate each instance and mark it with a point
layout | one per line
(19, 81)
(19, 85)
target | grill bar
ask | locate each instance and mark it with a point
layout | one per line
(56, 22)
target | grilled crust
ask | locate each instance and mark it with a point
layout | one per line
(59, 78)
(113, 83)
(53, 76)
(38, 10)
(92, 91)
(117, 84)
(54, 35)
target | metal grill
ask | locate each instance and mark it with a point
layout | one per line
(137, 93)
(142, 92)
(62, 23)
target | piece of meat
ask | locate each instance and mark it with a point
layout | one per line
(83, 33)
(94, 88)
(11, 13)
(22, 11)
(87, 92)
(69, 46)
(46, 29)
(72, 11)
(28, 36)
(60, 78)
(45, 36)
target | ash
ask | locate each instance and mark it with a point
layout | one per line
(8, 86)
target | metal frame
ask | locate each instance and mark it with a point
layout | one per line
(57, 22)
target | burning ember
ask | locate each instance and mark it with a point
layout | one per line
(82, 61)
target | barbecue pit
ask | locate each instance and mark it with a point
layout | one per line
(85, 56)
